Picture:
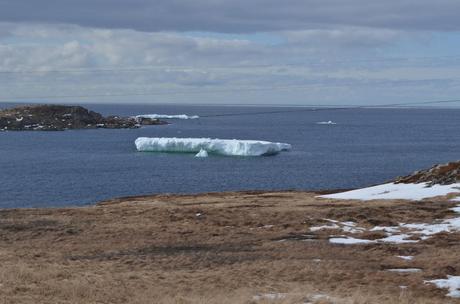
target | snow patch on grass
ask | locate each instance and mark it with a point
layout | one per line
(406, 257)
(344, 226)
(398, 239)
(452, 283)
(404, 270)
(349, 241)
(403, 233)
(456, 209)
(269, 296)
(397, 191)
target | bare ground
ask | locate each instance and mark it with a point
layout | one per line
(246, 247)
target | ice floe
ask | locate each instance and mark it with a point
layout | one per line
(329, 122)
(452, 283)
(397, 191)
(230, 147)
(202, 153)
(166, 116)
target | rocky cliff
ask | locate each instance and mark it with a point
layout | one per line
(443, 174)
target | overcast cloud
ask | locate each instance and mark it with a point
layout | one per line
(283, 52)
(237, 16)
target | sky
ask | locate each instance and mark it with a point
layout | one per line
(248, 52)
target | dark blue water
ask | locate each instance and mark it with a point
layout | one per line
(367, 146)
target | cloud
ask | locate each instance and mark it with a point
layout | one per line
(340, 65)
(354, 37)
(238, 16)
(72, 46)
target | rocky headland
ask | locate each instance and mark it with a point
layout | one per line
(61, 117)
(442, 174)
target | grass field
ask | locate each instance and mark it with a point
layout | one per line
(246, 247)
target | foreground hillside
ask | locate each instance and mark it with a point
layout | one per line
(246, 247)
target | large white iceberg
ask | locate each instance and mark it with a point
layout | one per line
(231, 147)
(166, 116)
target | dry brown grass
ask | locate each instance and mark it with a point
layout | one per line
(157, 250)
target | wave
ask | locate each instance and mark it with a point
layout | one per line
(228, 147)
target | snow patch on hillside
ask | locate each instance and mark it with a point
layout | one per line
(400, 234)
(452, 283)
(397, 191)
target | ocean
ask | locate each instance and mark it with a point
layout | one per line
(364, 147)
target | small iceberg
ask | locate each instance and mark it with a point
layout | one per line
(202, 153)
(228, 147)
(166, 116)
(329, 122)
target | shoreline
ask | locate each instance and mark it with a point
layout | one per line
(117, 199)
(128, 198)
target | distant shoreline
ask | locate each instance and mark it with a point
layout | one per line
(61, 117)
(81, 103)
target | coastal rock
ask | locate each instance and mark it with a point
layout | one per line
(443, 174)
(145, 121)
(60, 117)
